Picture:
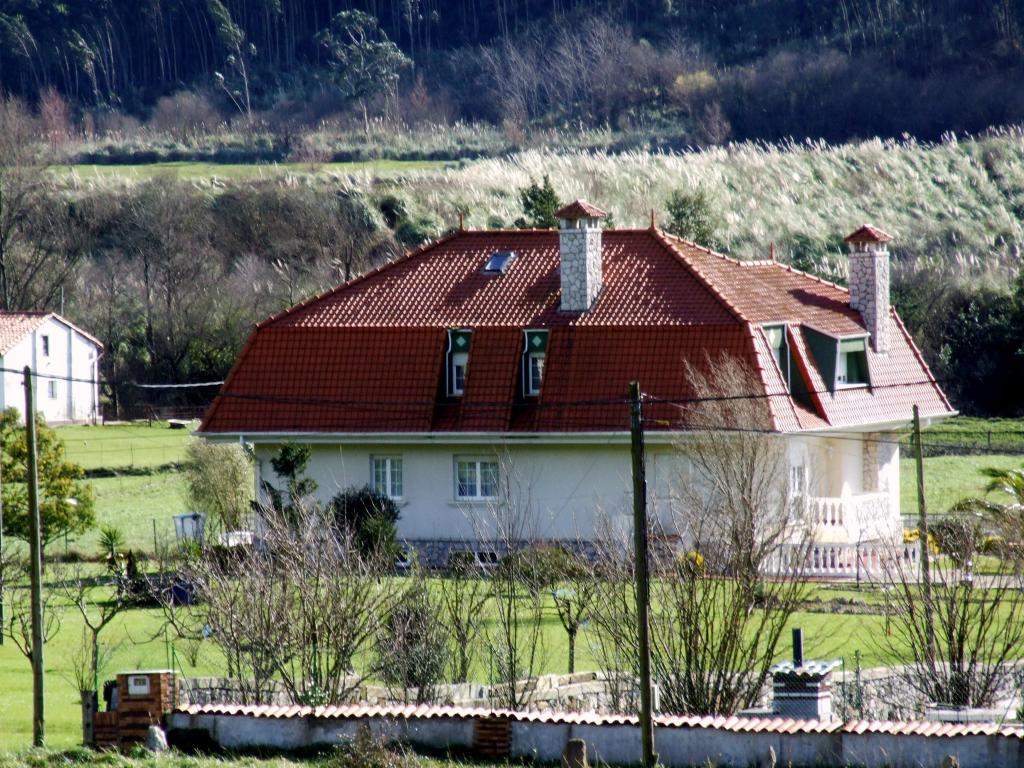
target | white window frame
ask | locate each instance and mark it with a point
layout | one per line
(533, 387)
(51, 389)
(842, 369)
(45, 341)
(459, 362)
(477, 464)
(394, 476)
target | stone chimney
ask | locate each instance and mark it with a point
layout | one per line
(869, 282)
(579, 254)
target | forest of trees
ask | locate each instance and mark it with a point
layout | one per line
(707, 71)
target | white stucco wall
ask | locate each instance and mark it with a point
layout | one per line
(568, 488)
(544, 740)
(71, 356)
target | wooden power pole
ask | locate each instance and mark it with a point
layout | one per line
(922, 534)
(643, 585)
(36, 547)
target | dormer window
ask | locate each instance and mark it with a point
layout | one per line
(852, 363)
(499, 262)
(535, 352)
(458, 361)
(776, 335)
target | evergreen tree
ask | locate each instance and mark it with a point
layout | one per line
(66, 505)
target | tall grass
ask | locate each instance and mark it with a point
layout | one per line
(961, 202)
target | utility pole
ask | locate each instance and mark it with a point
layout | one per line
(643, 585)
(922, 535)
(35, 545)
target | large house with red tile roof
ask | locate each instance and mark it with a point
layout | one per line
(496, 358)
(65, 359)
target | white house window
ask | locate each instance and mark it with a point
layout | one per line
(458, 361)
(476, 478)
(797, 480)
(387, 476)
(52, 389)
(852, 363)
(46, 346)
(534, 357)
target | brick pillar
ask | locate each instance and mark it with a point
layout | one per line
(142, 699)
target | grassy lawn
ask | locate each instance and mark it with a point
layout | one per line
(947, 479)
(134, 501)
(140, 644)
(141, 493)
(984, 435)
(124, 445)
(244, 171)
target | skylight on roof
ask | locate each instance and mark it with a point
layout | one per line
(499, 262)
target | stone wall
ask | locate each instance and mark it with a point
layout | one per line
(876, 694)
(580, 692)
(580, 264)
(869, 293)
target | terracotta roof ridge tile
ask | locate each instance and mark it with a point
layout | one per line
(418, 251)
(666, 242)
(757, 262)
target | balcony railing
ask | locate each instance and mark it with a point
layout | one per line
(861, 517)
(870, 562)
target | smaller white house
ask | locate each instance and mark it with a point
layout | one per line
(65, 359)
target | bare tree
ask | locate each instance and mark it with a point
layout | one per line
(574, 597)
(729, 587)
(725, 600)
(17, 607)
(515, 642)
(98, 605)
(39, 248)
(300, 607)
(962, 637)
(463, 594)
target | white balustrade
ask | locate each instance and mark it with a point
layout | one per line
(870, 562)
(861, 517)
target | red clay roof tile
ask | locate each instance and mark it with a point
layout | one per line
(368, 356)
(868, 234)
(580, 209)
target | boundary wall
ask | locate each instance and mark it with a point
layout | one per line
(611, 739)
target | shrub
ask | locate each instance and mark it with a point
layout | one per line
(185, 115)
(369, 751)
(219, 478)
(370, 517)
(412, 648)
(540, 569)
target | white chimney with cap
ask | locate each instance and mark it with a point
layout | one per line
(579, 255)
(869, 282)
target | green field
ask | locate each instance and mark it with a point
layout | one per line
(141, 644)
(947, 479)
(125, 445)
(134, 501)
(243, 171)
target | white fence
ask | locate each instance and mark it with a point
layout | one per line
(870, 562)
